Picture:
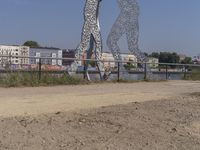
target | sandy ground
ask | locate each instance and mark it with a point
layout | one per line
(42, 100)
(136, 116)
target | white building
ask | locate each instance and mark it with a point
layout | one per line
(109, 59)
(197, 59)
(129, 58)
(50, 56)
(153, 62)
(15, 52)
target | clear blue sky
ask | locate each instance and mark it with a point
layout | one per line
(165, 25)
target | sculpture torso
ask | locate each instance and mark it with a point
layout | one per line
(128, 6)
(91, 11)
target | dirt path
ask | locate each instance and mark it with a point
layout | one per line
(43, 100)
(136, 116)
(172, 124)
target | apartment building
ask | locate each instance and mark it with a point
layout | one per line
(15, 54)
(50, 56)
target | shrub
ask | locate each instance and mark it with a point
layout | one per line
(15, 79)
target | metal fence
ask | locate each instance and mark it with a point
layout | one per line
(160, 71)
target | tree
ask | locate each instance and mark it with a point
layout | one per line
(146, 54)
(167, 57)
(154, 55)
(31, 44)
(187, 60)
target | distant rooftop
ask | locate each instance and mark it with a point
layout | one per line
(49, 48)
(9, 45)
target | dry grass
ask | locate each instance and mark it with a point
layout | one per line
(18, 79)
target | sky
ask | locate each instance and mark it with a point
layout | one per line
(165, 25)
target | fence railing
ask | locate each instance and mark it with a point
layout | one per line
(12, 63)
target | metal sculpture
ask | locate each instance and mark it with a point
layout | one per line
(126, 23)
(91, 41)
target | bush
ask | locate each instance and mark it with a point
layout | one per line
(15, 79)
(195, 74)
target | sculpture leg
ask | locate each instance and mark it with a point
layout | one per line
(132, 38)
(98, 51)
(114, 36)
(90, 33)
(89, 55)
(85, 38)
(132, 34)
(82, 48)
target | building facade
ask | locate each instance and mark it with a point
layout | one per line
(15, 53)
(129, 58)
(182, 57)
(51, 56)
(108, 59)
(197, 59)
(153, 62)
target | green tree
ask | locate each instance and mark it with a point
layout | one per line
(32, 44)
(146, 54)
(154, 55)
(187, 60)
(167, 57)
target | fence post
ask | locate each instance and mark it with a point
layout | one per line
(145, 71)
(185, 72)
(118, 72)
(84, 71)
(166, 72)
(40, 69)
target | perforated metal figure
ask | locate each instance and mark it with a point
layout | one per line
(91, 37)
(126, 23)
